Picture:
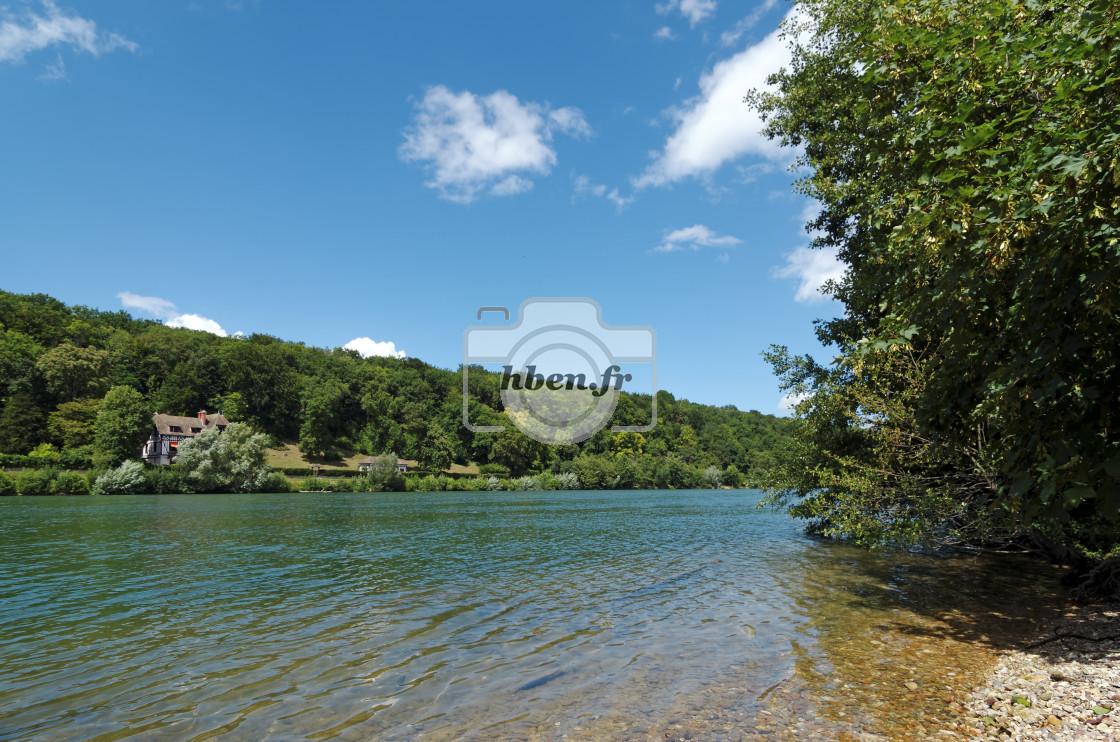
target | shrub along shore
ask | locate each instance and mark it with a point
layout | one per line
(45, 477)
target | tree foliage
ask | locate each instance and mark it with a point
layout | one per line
(965, 157)
(126, 479)
(123, 421)
(229, 461)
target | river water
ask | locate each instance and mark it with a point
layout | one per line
(531, 616)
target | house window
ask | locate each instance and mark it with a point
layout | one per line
(176, 429)
(196, 430)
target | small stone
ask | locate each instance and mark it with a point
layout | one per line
(1053, 721)
(1045, 696)
(911, 685)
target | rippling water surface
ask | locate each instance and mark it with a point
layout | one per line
(451, 615)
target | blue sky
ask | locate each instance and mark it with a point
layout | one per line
(330, 172)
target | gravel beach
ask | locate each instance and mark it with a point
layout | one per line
(1064, 685)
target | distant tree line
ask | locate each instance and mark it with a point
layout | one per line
(79, 382)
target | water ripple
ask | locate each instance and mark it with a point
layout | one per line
(391, 616)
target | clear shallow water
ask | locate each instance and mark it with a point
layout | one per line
(451, 615)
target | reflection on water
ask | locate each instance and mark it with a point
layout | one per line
(488, 615)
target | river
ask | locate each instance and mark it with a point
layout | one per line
(530, 616)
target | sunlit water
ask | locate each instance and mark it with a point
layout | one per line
(486, 615)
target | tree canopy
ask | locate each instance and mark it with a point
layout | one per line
(965, 157)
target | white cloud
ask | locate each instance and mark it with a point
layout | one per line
(29, 32)
(54, 72)
(472, 144)
(511, 185)
(808, 214)
(694, 10)
(694, 237)
(664, 34)
(732, 35)
(165, 310)
(151, 304)
(570, 121)
(584, 187)
(790, 401)
(723, 258)
(715, 126)
(812, 268)
(367, 347)
(196, 322)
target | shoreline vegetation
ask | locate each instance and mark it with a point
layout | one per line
(967, 174)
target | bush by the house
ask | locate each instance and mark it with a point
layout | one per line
(35, 482)
(69, 483)
(126, 479)
(163, 480)
(567, 480)
(277, 482)
(230, 461)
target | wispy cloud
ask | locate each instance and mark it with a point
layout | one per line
(54, 72)
(664, 34)
(166, 310)
(812, 268)
(694, 10)
(196, 322)
(731, 36)
(584, 187)
(30, 31)
(471, 145)
(716, 127)
(789, 401)
(367, 347)
(694, 238)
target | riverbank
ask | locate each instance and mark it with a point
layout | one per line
(1063, 685)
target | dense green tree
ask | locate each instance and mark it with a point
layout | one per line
(71, 371)
(233, 406)
(72, 424)
(229, 461)
(18, 353)
(124, 420)
(321, 410)
(22, 424)
(436, 450)
(964, 154)
(262, 370)
(628, 444)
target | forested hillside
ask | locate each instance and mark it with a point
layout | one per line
(58, 364)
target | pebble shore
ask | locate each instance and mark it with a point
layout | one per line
(1061, 687)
